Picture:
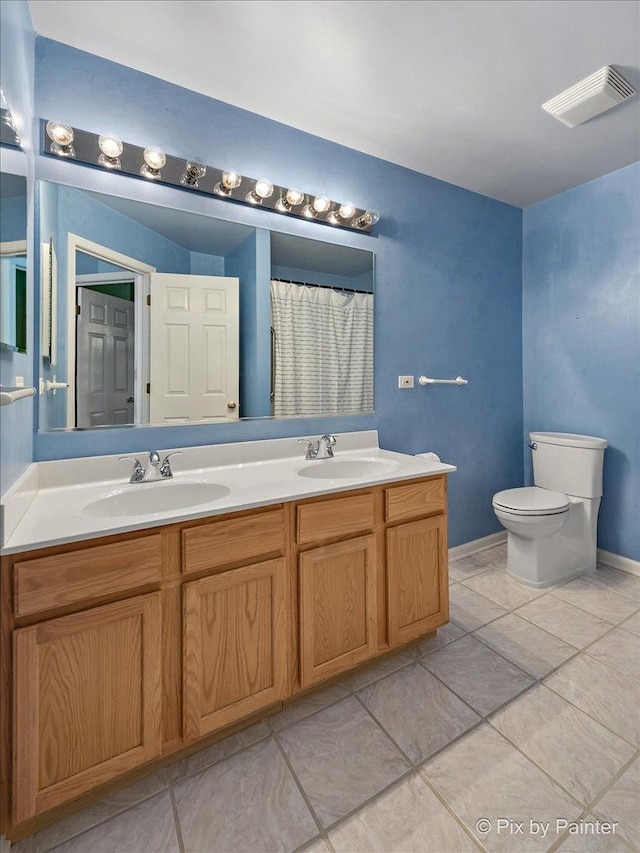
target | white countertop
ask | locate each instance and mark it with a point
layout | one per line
(48, 504)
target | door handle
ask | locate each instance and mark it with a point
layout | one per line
(130, 400)
(231, 405)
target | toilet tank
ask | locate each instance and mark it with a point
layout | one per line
(569, 463)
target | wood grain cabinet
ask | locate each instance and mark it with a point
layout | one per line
(87, 700)
(235, 645)
(417, 578)
(130, 649)
(337, 607)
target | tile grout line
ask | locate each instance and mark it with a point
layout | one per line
(300, 787)
(176, 819)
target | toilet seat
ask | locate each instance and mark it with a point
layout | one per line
(531, 500)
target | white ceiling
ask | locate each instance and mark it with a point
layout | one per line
(451, 88)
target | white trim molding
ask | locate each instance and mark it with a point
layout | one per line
(625, 564)
(476, 545)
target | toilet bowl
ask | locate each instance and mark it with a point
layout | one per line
(551, 526)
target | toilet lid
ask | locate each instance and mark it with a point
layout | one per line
(531, 501)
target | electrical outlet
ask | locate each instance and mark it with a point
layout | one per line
(405, 381)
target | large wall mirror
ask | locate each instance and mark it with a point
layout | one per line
(13, 262)
(157, 316)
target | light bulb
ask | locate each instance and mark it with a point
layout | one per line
(264, 188)
(347, 210)
(368, 218)
(231, 180)
(61, 134)
(294, 196)
(155, 158)
(110, 146)
(333, 218)
(309, 211)
(321, 203)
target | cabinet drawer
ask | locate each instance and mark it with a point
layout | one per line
(85, 574)
(337, 517)
(235, 540)
(415, 500)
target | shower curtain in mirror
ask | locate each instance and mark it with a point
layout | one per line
(323, 350)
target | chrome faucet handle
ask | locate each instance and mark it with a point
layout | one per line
(154, 458)
(325, 446)
(165, 468)
(137, 475)
(312, 448)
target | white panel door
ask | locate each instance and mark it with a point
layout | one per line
(105, 359)
(194, 331)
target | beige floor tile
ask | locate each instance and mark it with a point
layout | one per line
(470, 610)
(591, 838)
(610, 697)
(93, 814)
(419, 712)
(147, 828)
(248, 802)
(633, 624)
(594, 599)
(199, 761)
(495, 557)
(465, 567)
(447, 634)
(480, 676)
(341, 758)
(620, 650)
(620, 804)
(571, 624)
(378, 670)
(408, 818)
(302, 708)
(483, 776)
(499, 587)
(623, 583)
(528, 646)
(579, 753)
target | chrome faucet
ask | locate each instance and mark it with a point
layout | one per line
(156, 470)
(320, 449)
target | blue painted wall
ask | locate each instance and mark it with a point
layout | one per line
(17, 75)
(448, 274)
(13, 217)
(581, 327)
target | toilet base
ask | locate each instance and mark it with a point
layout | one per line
(542, 562)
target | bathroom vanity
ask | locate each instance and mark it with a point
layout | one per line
(155, 635)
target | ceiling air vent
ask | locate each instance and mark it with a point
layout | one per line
(594, 95)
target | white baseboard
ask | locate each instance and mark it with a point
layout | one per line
(476, 545)
(625, 564)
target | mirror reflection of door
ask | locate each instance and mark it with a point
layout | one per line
(105, 352)
(195, 348)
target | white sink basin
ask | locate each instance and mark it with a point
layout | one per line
(346, 469)
(147, 498)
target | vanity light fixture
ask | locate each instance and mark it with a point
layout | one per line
(153, 164)
(263, 189)
(154, 160)
(229, 182)
(192, 173)
(293, 197)
(368, 218)
(111, 148)
(61, 136)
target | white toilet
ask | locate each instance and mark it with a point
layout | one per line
(552, 525)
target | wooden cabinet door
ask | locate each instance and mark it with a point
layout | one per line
(337, 607)
(235, 645)
(87, 701)
(417, 586)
